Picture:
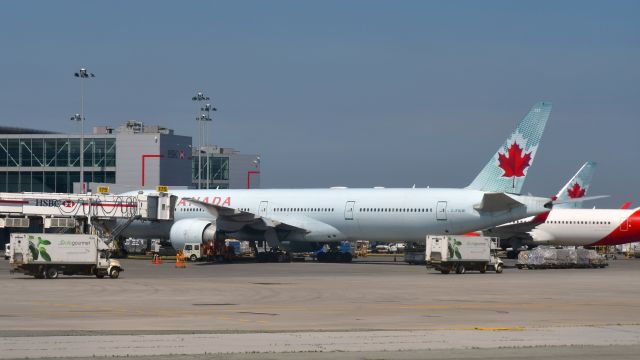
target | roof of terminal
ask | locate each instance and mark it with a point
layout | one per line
(17, 130)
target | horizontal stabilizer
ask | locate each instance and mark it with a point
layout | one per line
(492, 202)
(569, 201)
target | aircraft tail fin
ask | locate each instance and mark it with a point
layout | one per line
(507, 169)
(577, 187)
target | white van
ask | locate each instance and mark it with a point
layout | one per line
(193, 251)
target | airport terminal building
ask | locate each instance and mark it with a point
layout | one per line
(129, 157)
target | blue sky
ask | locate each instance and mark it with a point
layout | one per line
(354, 93)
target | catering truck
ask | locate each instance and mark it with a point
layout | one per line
(47, 255)
(461, 253)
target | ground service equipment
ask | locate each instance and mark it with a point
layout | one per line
(414, 254)
(461, 253)
(47, 255)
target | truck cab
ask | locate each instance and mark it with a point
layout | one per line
(193, 251)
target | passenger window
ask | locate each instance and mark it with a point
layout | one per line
(187, 247)
(196, 247)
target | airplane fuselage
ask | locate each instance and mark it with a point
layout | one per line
(348, 214)
(588, 227)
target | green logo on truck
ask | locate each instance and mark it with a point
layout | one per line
(39, 250)
(453, 248)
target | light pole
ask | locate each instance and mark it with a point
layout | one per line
(82, 74)
(199, 97)
(208, 108)
(201, 119)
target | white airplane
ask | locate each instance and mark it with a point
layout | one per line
(567, 225)
(283, 216)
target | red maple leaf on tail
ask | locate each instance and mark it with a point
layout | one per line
(576, 191)
(513, 163)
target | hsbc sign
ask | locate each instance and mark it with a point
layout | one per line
(55, 203)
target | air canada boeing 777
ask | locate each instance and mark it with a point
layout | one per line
(285, 216)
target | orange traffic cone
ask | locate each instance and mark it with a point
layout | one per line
(155, 259)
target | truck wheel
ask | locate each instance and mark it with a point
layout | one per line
(483, 269)
(460, 269)
(51, 273)
(193, 258)
(499, 269)
(444, 271)
(114, 273)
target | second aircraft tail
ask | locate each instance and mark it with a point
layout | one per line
(577, 187)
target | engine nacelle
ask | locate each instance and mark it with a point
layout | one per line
(191, 231)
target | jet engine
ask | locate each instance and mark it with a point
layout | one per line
(191, 231)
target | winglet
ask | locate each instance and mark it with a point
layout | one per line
(626, 205)
(576, 188)
(507, 169)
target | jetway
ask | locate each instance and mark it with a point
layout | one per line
(64, 210)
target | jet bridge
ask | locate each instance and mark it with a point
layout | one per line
(67, 210)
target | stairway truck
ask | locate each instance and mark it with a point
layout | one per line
(462, 253)
(48, 255)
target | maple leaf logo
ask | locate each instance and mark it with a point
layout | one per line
(513, 163)
(576, 191)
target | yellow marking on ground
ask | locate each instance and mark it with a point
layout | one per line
(516, 328)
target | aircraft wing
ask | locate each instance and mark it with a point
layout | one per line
(518, 229)
(229, 219)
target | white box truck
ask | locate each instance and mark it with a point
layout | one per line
(461, 253)
(47, 255)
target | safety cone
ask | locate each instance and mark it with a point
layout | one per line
(156, 261)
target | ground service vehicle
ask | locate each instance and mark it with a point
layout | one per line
(7, 249)
(193, 251)
(47, 255)
(414, 254)
(461, 253)
(344, 253)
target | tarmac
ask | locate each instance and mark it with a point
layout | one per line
(372, 308)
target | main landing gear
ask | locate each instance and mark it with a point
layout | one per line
(334, 257)
(273, 255)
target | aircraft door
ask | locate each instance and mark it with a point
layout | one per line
(348, 210)
(624, 224)
(441, 210)
(262, 210)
